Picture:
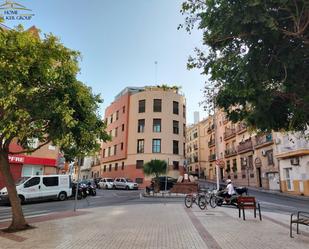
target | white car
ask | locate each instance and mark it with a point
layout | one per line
(124, 183)
(106, 183)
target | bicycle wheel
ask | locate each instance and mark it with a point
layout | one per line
(188, 201)
(213, 201)
(202, 203)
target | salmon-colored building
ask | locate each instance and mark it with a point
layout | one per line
(145, 123)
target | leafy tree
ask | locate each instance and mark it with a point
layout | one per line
(258, 59)
(41, 98)
(155, 168)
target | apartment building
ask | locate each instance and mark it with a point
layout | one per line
(242, 155)
(145, 123)
(292, 153)
(196, 148)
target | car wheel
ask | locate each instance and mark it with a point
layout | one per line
(62, 196)
(127, 187)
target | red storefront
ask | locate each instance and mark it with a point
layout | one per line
(22, 165)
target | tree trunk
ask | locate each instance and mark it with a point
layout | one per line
(18, 219)
(157, 184)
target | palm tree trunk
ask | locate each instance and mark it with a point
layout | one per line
(18, 219)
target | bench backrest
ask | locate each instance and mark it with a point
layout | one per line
(246, 200)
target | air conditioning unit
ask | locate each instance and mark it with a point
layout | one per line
(277, 141)
(263, 153)
(295, 161)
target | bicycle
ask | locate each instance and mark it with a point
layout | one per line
(197, 198)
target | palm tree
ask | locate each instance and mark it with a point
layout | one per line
(155, 168)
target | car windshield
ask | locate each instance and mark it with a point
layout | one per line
(109, 180)
(129, 180)
(21, 180)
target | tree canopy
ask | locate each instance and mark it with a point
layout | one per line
(257, 59)
(40, 97)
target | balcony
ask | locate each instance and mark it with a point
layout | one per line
(245, 146)
(211, 128)
(195, 147)
(263, 140)
(241, 127)
(229, 133)
(292, 146)
(230, 152)
(212, 157)
(211, 143)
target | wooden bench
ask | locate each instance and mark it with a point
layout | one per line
(300, 218)
(247, 202)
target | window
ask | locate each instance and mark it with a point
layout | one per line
(184, 130)
(175, 107)
(117, 115)
(110, 167)
(157, 105)
(175, 165)
(109, 151)
(116, 166)
(139, 180)
(122, 166)
(175, 147)
(32, 182)
(157, 125)
(140, 146)
(116, 131)
(123, 109)
(51, 181)
(104, 168)
(141, 125)
(112, 119)
(103, 153)
(175, 127)
(270, 158)
(121, 146)
(122, 127)
(184, 111)
(115, 149)
(139, 164)
(141, 106)
(156, 146)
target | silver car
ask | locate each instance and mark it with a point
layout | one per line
(124, 183)
(106, 183)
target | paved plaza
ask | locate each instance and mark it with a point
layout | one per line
(165, 226)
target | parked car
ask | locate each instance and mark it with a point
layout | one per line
(124, 183)
(41, 187)
(106, 183)
(169, 181)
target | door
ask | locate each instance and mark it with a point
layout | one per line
(50, 186)
(259, 177)
(32, 188)
(273, 180)
(289, 180)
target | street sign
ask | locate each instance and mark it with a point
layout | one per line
(219, 162)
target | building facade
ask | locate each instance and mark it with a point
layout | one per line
(144, 123)
(196, 148)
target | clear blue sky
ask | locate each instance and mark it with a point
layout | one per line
(120, 41)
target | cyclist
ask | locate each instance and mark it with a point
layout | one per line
(229, 190)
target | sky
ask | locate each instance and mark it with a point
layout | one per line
(120, 41)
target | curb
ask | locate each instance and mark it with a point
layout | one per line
(162, 195)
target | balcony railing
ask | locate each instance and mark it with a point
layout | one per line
(245, 146)
(211, 142)
(263, 140)
(230, 152)
(241, 127)
(212, 157)
(211, 128)
(229, 133)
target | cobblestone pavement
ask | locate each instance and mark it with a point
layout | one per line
(153, 226)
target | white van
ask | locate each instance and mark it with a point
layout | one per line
(42, 187)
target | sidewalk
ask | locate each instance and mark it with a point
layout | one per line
(274, 192)
(159, 226)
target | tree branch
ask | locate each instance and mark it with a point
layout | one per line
(32, 150)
